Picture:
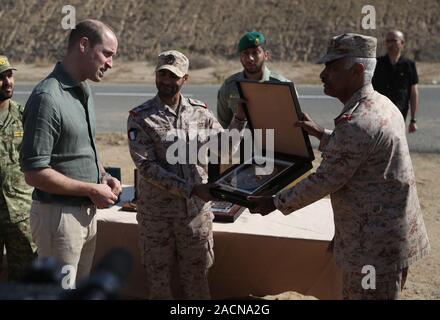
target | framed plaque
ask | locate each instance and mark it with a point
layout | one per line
(245, 178)
(269, 105)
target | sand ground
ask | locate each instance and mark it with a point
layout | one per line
(424, 277)
(212, 71)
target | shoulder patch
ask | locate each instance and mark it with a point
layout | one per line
(198, 103)
(132, 134)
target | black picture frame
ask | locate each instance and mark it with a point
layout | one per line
(270, 105)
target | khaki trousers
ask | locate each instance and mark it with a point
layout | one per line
(67, 233)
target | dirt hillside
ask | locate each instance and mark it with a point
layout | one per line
(298, 30)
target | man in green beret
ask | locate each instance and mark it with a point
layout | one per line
(253, 55)
(15, 197)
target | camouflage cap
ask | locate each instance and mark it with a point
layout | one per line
(350, 45)
(174, 61)
(251, 40)
(4, 64)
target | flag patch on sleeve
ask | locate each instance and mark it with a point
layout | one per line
(132, 134)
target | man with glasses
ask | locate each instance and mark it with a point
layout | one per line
(396, 77)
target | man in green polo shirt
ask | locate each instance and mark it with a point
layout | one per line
(253, 55)
(59, 156)
(15, 197)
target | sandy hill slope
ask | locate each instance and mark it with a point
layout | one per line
(298, 30)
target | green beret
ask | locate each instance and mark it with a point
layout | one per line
(251, 40)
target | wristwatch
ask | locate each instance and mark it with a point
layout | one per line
(413, 121)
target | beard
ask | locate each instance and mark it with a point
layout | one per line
(254, 69)
(5, 96)
(167, 91)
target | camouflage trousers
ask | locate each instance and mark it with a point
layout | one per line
(387, 286)
(187, 242)
(20, 250)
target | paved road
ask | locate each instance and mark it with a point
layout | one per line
(114, 101)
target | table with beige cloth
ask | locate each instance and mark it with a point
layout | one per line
(255, 255)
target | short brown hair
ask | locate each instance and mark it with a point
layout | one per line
(91, 29)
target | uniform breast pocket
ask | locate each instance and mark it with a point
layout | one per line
(16, 142)
(170, 145)
(164, 135)
(198, 131)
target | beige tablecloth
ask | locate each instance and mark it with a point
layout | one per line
(254, 255)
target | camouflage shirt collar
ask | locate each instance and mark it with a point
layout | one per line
(357, 96)
(162, 106)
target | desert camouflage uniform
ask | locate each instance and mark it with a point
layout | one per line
(172, 223)
(366, 168)
(15, 198)
(387, 286)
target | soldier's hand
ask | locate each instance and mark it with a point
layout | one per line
(412, 127)
(261, 205)
(113, 183)
(203, 191)
(102, 196)
(310, 126)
